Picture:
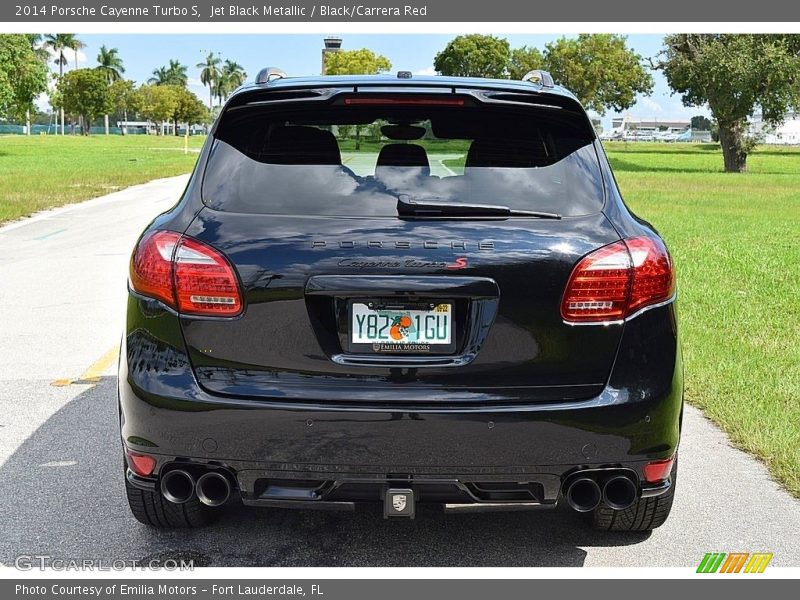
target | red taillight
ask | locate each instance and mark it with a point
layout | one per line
(653, 275)
(205, 283)
(185, 274)
(617, 280)
(598, 287)
(658, 470)
(151, 266)
(141, 464)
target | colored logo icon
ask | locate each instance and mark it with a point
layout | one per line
(735, 562)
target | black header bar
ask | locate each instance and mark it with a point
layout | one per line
(442, 11)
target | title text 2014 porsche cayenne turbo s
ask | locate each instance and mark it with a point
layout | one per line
(392, 290)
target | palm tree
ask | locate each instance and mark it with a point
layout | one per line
(172, 74)
(231, 76)
(209, 75)
(58, 42)
(78, 45)
(159, 76)
(234, 73)
(110, 64)
(177, 73)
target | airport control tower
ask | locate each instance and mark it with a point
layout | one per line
(332, 44)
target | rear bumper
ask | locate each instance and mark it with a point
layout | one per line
(485, 491)
(318, 456)
(287, 451)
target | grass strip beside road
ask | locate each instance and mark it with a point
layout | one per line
(41, 172)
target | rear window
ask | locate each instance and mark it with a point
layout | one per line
(357, 158)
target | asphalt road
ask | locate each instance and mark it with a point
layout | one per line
(62, 287)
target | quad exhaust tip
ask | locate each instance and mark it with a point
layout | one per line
(177, 486)
(213, 489)
(583, 494)
(619, 492)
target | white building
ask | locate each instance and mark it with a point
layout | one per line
(626, 127)
(644, 125)
(787, 134)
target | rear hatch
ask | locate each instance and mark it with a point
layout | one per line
(403, 249)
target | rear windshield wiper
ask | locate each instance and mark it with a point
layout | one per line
(436, 209)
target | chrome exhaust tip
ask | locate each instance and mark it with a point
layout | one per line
(619, 492)
(583, 494)
(177, 486)
(213, 489)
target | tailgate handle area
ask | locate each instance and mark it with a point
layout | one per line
(387, 286)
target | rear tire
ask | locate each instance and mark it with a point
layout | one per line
(643, 515)
(151, 508)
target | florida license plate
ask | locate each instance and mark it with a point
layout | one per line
(418, 328)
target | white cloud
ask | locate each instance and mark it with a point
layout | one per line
(200, 91)
(70, 56)
(426, 71)
(651, 105)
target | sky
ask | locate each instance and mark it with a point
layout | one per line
(300, 55)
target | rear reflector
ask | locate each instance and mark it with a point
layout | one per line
(401, 101)
(617, 280)
(185, 274)
(141, 464)
(658, 470)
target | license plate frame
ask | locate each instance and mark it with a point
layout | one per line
(390, 347)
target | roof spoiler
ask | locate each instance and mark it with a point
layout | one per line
(543, 78)
(269, 73)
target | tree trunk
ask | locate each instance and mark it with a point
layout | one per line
(28, 122)
(106, 124)
(734, 151)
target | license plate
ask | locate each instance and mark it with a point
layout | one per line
(402, 329)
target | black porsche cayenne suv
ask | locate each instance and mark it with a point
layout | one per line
(398, 290)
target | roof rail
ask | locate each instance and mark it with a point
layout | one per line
(269, 73)
(543, 78)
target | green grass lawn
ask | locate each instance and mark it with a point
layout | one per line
(736, 243)
(41, 172)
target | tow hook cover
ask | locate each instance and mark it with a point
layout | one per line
(398, 502)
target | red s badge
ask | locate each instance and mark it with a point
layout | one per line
(460, 263)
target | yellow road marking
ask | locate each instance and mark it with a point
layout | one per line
(95, 370)
(101, 365)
